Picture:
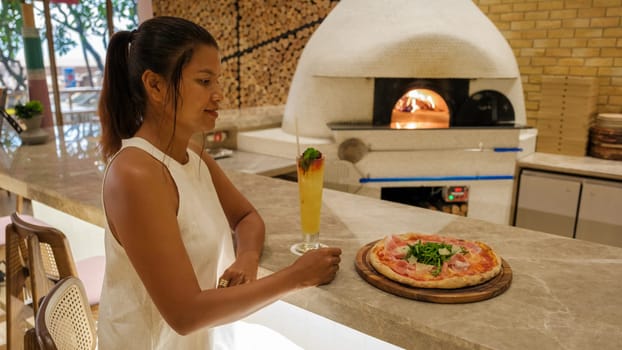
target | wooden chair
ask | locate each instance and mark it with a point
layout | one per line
(38, 257)
(64, 320)
(5, 220)
(17, 288)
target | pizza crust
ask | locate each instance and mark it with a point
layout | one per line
(452, 282)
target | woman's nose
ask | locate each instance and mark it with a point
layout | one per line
(217, 96)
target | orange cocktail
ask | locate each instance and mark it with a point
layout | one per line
(310, 185)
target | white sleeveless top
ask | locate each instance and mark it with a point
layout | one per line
(128, 319)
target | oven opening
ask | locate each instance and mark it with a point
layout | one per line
(448, 199)
(420, 109)
(417, 102)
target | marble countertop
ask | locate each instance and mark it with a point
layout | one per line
(260, 164)
(250, 118)
(583, 166)
(565, 293)
(67, 170)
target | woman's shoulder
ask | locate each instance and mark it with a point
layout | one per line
(133, 158)
(133, 166)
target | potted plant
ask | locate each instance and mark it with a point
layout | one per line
(30, 113)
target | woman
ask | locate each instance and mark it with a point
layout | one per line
(170, 209)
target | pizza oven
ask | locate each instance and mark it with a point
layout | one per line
(368, 54)
(407, 94)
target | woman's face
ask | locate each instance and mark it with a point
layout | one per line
(200, 92)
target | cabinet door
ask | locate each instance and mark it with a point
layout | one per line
(548, 202)
(600, 212)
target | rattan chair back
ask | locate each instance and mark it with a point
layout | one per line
(64, 320)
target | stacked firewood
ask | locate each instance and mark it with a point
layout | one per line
(260, 41)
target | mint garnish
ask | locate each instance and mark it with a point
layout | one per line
(308, 156)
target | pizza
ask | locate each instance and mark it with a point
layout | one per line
(433, 261)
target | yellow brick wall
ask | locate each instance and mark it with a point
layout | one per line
(577, 38)
(262, 41)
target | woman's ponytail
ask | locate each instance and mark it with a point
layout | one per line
(118, 114)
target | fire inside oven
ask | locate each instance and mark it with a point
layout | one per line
(448, 199)
(417, 103)
(420, 109)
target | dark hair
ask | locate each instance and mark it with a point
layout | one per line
(163, 45)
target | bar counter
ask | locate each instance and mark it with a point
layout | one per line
(565, 293)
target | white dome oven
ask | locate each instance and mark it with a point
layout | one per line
(408, 94)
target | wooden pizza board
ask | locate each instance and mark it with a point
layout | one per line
(486, 290)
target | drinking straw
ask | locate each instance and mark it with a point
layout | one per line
(297, 137)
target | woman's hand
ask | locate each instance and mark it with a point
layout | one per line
(317, 266)
(243, 270)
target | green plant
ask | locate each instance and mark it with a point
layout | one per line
(29, 110)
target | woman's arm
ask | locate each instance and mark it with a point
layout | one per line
(244, 220)
(141, 207)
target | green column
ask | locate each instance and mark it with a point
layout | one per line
(35, 70)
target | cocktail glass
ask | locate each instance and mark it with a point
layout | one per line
(310, 185)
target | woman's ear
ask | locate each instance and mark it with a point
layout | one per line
(154, 85)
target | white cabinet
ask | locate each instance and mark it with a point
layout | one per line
(548, 202)
(571, 206)
(600, 212)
